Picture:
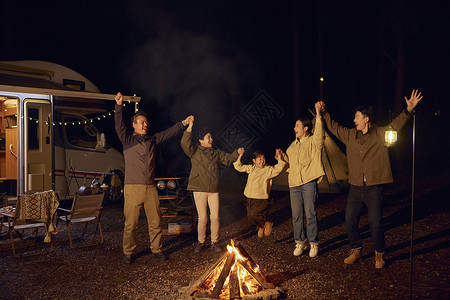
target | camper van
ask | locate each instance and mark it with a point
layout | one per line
(48, 137)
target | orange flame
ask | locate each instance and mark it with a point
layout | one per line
(247, 284)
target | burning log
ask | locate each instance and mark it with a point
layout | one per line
(233, 284)
(250, 265)
(199, 282)
(223, 275)
(258, 277)
(233, 276)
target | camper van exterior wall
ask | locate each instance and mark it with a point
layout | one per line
(79, 161)
(40, 154)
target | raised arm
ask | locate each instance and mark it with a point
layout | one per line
(228, 158)
(121, 129)
(238, 164)
(283, 156)
(318, 129)
(342, 133)
(412, 102)
(275, 170)
(186, 140)
(404, 116)
(172, 131)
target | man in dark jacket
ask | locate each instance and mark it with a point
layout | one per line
(369, 168)
(140, 190)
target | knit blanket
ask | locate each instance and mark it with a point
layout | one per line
(40, 206)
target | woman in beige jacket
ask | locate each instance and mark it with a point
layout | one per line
(304, 158)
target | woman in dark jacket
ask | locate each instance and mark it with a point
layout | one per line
(203, 181)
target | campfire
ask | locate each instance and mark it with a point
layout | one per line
(233, 276)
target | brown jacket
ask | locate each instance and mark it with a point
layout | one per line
(367, 155)
(204, 175)
(139, 150)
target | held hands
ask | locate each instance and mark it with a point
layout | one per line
(119, 98)
(190, 121)
(278, 154)
(413, 100)
(240, 151)
(320, 107)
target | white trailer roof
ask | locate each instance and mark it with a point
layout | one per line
(64, 93)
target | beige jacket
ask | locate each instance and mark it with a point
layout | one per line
(304, 157)
(259, 182)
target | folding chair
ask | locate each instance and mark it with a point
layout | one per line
(33, 212)
(85, 209)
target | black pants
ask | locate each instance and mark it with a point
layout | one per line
(258, 211)
(372, 197)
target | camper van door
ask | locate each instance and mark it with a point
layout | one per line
(37, 145)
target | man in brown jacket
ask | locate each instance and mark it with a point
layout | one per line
(369, 168)
(140, 191)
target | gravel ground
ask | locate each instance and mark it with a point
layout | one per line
(97, 272)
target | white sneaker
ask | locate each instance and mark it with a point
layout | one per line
(314, 250)
(299, 248)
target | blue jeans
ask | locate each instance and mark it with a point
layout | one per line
(304, 197)
(372, 197)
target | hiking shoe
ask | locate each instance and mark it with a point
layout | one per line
(379, 260)
(199, 247)
(314, 250)
(355, 255)
(299, 248)
(159, 255)
(215, 247)
(126, 259)
(260, 232)
(268, 228)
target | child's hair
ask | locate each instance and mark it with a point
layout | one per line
(202, 132)
(257, 153)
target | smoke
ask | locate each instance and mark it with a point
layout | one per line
(184, 73)
(179, 70)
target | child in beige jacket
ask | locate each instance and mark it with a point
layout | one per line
(257, 189)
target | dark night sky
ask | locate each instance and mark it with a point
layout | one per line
(210, 58)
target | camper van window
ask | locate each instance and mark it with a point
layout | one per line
(80, 135)
(33, 128)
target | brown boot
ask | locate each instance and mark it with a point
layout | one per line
(355, 255)
(260, 232)
(268, 228)
(379, 260)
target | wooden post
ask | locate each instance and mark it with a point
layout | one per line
(223, 275)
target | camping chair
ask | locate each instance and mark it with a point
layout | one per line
(85, 209)
(33, 212)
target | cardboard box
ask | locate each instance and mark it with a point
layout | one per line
(176, 228)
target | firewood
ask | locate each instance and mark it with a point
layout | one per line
(197, 284)
(248, 259)
(231, 258)
(258, 277)
(233, 284)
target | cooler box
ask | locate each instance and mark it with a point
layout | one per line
(179, 227)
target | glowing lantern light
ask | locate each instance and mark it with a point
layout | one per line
(390, 137)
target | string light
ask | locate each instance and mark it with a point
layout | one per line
(91, 120)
